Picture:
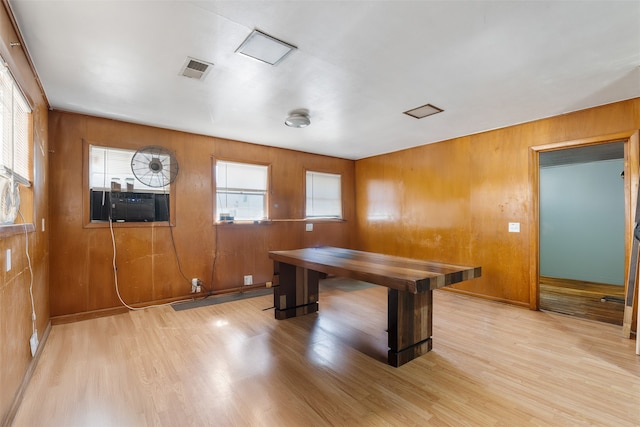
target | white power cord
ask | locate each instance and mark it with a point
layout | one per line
(33, 341)
(115, 277)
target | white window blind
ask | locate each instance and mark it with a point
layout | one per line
(14, 123)
(324, 195)
(241, 191)
(113, 165)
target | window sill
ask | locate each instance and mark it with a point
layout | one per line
(12, 229)
(130, 224)
(242, 222)
(273, 221)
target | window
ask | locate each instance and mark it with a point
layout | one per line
(15, 123)
(324, 195)
(241, 191)
(116, 194)
(110, 168)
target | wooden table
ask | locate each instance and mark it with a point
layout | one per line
(410, 281)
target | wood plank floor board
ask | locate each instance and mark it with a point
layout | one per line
(233, 364)
(595, 301)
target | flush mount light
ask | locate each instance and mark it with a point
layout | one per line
(424, 111)
(297, 120)
(265, 48)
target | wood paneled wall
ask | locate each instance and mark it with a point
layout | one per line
(449, 201)
(15, 301)
(452, 201)
(82, 278)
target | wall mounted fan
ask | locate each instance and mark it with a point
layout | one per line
(154, 166)
(9, 200)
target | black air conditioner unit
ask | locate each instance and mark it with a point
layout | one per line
(129, 206)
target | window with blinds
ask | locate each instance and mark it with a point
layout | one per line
(15, 130)
(110, 168)
(324, 195)
(241, 191)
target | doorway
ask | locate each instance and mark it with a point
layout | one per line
(631, 144)
(582, 252)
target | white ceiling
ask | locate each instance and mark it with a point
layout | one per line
(358, 66)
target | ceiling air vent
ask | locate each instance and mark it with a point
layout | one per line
(195, 68)
(424, 111)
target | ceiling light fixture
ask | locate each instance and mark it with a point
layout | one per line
(298, 119)
(265, 48)
(424, 111)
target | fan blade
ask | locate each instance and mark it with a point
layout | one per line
(154, 166)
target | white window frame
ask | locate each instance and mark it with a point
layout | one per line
(229, 189)
(110, 170)
(15, 130)
(321, 200)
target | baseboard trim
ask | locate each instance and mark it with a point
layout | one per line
(86, 315)
(17, 399)
(104, 312)
(487, 297)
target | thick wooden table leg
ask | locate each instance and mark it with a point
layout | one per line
(409, 321)
(297, 292)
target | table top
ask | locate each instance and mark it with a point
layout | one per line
(405, 274)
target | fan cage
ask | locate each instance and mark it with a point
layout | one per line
(9, 200)
(154, 166)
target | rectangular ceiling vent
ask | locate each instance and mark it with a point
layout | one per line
(265, 48)
(195, 68)
(424, 111)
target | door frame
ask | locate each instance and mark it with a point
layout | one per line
(631, 141)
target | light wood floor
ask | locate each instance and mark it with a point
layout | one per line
(233, 364)
(583, 299)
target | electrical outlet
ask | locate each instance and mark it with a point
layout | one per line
(42, 224)
(309, 227)
(514, 227)
(248, 280)
(8, 259)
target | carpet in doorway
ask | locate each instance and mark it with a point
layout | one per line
(220, 299)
